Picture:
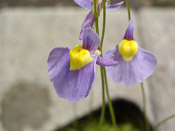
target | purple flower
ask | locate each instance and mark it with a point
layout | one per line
(135, 64)
(90, 19)
(87, 4)
(72, 71)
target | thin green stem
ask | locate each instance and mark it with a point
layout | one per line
(103, 70)
(101, 44)
(103, 98)
(102, 77)
(109, 100)
(128, 7)
(144, 107)
(163, 121)
(96, 16)
(104, 23)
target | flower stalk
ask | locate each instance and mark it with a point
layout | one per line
(103, 98)
(96, 16)
(163, 121)
(128, 8)
(109, 100)
(104, 24)
(102, 69)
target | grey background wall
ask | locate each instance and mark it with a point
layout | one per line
(28, 33)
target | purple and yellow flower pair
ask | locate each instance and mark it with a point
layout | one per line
(72, 71)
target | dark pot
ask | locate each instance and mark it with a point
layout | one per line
(128, 115)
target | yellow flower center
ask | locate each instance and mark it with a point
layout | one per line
(79, 57)
(128, 49)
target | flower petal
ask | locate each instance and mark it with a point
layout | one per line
(91, 40)
(75, 85)
(105, 62)
(135, 71)
(87, 4)
(114, 6)
(58, 58)
(70, 85)
(89, 21)
(129, 31)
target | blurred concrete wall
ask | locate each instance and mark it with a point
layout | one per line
(27, 35)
